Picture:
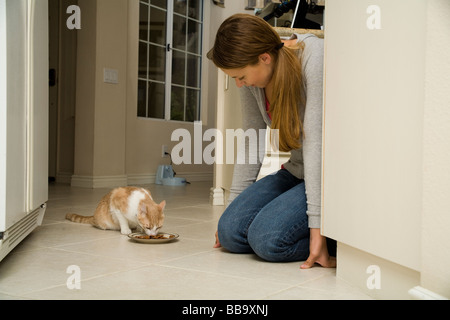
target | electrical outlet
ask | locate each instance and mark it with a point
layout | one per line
(164, 150)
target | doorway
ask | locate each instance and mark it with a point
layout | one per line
(62, 92)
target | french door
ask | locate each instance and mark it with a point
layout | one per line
(170, 47)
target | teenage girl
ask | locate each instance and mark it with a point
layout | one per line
(281, 86)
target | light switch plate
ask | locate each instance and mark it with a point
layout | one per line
(111, 76)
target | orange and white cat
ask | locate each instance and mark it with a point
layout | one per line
(124, 209)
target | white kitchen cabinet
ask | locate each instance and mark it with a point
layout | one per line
(373, 132)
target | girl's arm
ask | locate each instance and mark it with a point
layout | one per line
(312, 123)
(312, 152)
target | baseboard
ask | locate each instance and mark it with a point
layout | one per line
(64, 177)
(420, 293)
(217, 196)
(141, 179)
(92, 182)
(196, 176)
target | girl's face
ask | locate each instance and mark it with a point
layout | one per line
(258, 75)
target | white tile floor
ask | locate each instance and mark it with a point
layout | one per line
(114, 267)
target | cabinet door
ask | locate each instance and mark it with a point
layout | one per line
(39, 91)
(15, 130)
(373, 106)
(24, 129)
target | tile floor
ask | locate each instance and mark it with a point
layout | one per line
(114, 267)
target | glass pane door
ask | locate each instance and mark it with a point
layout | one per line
(170, 43)
(186, 60)
(152, 58)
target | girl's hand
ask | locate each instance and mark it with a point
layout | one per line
(217, 244)
(318, 252)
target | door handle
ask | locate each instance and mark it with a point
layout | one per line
(52, 77)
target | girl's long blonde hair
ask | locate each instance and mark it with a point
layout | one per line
(240, 40)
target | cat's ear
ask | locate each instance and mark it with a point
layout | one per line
(143, 209)
(162, 205)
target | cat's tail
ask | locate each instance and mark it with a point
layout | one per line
(80, 219)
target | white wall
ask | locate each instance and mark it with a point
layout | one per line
(112, 145)
(435, 274)
(140, 132)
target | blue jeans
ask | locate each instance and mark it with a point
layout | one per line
(268, 218)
